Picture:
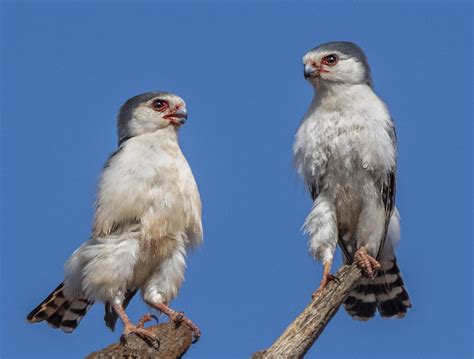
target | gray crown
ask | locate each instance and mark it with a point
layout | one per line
(350, 49)
(126, 112)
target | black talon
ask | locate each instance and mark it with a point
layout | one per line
(334, 278)
(179, 317)
(196, 339)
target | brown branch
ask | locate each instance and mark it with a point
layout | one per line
(306, 328)
(172, 343)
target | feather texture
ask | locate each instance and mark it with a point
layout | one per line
(59, 312)
(345, 150)
(385, 293)
(148, 214)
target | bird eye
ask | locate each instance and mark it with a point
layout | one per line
(159, 105)
(330, 60)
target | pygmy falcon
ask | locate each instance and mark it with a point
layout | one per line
(148, 214)
(345, 150)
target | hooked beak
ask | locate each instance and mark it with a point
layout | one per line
(310, 71)
(179, 117)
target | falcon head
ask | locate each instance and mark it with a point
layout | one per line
(150, 112)
(337, 62)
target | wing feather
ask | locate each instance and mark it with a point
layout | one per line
(388, 191)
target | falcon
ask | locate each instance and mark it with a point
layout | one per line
(147, 215)
(345, 150)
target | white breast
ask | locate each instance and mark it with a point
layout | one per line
(149, 181)
(344, 131)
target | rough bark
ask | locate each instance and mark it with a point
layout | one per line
(173, 343)
(306, 328)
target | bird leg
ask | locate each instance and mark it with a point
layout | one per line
(178, 318)
(327, 277)
(366, 262)
(145, 319)
(129, 328)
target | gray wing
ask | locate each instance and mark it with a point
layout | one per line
(388, 194)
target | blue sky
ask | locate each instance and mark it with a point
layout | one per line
(66, 68)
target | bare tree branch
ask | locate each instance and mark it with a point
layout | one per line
(173, 343)
(293, 343)
(306, 328)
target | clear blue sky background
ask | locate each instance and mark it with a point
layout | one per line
(66, 68)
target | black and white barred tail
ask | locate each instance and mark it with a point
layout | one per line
(385, 293)
(60, 312)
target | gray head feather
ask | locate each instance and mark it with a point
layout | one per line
(127, 109)
(349, 49)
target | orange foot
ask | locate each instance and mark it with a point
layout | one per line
(178, 318)
(145, 319)
(129, 328)
(366, 262)
(327, 277)
(140, 331)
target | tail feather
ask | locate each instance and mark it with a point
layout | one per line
(54, 321)
(361, 304)
(385, 293)
(60, 312)
(49, 306)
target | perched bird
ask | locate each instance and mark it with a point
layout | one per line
(345, 150)
(148, 214)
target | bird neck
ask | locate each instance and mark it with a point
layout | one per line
(167, 135)
(169, 132)
(339, 95)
